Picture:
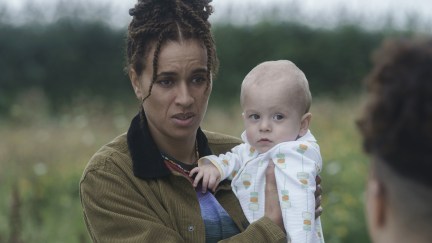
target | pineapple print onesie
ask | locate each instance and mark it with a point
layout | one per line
(296, 165)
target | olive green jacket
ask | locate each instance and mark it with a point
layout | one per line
(126, 201)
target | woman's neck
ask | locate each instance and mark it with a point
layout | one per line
(184, 150)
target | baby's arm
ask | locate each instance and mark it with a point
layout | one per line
(209, 174)
(297, 165)
(212, 169)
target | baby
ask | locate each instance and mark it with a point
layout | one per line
(275, 99)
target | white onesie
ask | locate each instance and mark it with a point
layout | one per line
(296, 165)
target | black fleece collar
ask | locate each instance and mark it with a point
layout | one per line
(146, 157)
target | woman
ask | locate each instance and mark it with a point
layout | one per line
(397, 133)
(137, 188)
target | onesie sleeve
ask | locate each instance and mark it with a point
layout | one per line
(229, 163)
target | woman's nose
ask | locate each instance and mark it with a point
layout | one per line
(184, 96)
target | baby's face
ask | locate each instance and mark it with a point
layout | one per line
(270, 116)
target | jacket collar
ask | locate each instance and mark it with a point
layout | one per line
(146, 157)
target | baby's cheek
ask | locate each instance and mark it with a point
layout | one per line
(250, 135)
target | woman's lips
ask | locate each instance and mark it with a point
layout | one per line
(184, 119)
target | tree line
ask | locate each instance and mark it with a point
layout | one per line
(71, 57)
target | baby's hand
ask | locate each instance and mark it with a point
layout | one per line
(209, 174)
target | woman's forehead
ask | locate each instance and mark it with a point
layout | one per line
(186, 52)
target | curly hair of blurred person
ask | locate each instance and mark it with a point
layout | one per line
(396, 126)
(156, 22)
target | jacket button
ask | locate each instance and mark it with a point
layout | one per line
(191, 228)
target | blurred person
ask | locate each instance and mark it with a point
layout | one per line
(137, 187)
(275, 99)
(396, 126)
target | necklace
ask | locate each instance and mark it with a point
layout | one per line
(185, 168)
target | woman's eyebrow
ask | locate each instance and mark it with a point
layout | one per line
(170, 73)
(166, 74)
(200, 70)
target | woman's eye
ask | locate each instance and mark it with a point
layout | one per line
(278, 117)
(165, 82)
(199, 80)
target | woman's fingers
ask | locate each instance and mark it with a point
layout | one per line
(272, 207)
(318, 197)
(318, 191)
(318, 212)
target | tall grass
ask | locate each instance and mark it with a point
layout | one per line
(42, 158)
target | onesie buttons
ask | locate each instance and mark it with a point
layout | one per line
(191, 228)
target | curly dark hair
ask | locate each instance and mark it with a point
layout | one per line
(396, 123)
(156, 21)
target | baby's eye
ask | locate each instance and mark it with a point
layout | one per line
(278, 117)
(254, 116)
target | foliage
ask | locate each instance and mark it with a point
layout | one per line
(333, 60)
(72, 57)
(45, 157)
(63, 59)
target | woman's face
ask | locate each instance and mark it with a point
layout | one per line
(180, 94)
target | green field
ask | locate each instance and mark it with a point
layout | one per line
(42, 157)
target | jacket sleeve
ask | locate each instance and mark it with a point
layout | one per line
(262, 230)
(114, 211)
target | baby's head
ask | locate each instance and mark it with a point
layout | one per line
(275, 99)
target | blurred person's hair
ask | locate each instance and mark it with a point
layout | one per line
(396, 126)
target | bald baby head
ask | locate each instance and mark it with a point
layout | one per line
(279, 76)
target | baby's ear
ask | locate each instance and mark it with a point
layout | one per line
(304, 124)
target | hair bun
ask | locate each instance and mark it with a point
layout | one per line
(132, 12)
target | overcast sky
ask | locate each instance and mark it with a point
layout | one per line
(324, 12)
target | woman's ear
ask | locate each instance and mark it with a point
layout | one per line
(304, 124)
(136, 83)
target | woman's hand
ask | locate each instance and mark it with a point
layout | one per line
(272, 207)
(318, 197)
